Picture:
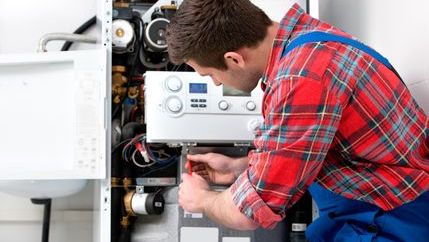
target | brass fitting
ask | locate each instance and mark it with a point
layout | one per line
(127, 203)
(115, 181)
(125, 222)
(121, 4)
(127, 183)
(118, 82)
(169, 7)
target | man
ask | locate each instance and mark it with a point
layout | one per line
(337, 121)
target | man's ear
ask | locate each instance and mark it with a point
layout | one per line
(234, 60)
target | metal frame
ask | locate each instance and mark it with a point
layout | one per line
(102, 188)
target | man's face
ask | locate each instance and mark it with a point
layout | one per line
(240, 79)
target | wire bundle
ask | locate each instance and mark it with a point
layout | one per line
(138, 147)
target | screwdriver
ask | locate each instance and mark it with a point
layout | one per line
(189, 167)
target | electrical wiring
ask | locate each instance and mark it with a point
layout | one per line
(165, 160)
(133, 113)
(133, 158)
(114, 148)
(158, 169)
(151, 157)
(134, 144)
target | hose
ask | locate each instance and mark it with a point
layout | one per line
(46, 216)
(64, 36)
(90, 22)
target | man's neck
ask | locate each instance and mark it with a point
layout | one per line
(258, 57)
(260, 54)
(266, 46)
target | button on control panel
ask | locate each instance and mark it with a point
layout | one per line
(223, 105)
(251, 106)
(198, 103)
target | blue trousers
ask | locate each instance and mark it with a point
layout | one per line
(347, 220)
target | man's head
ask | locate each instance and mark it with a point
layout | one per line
(212, 36)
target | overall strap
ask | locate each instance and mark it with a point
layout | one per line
(318, 36)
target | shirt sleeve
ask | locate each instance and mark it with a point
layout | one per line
(300, 121)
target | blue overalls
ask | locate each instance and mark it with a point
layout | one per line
(347, 220)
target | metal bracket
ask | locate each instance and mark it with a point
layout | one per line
(242, 144)
(174, 145)
(189, 144)
(139, 189)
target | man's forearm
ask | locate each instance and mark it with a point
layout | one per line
(220, 208)
(241, 165)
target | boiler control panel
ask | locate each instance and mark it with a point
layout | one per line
(186, 107)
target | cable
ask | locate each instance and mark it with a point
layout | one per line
(137, 145)
(138, 42)
(46, 216)
(120, 144)
(307, 7)
(157, 169)
(161, 161)
(80, 30)
(131, 148)
(138, 164)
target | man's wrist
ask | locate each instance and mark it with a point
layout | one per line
(209, 200)
(241, 165)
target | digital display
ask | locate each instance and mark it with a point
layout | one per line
(197, 88)
(228, 91)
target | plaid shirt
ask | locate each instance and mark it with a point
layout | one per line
(334, 115)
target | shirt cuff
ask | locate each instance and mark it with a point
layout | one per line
(250, 203)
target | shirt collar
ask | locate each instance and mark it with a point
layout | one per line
(284, 32)
(288, 23)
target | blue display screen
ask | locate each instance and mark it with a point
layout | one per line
(197, 88)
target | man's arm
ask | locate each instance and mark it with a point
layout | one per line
(217, 168)
(195, 196)
(300, 124)
(220, 208)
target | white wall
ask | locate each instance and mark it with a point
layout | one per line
(71, 218)
(276, 9)
(397, 29)
(22, 23)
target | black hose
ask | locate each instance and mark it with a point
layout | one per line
(125, 235)
(307, 6)
(80, 30)
(46, 216)
(117, 194)
(131, 129)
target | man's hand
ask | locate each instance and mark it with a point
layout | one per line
(195, 196)
(194, 192)
(217, 168)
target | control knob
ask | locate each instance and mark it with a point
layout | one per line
(174, 104)
(223, 105)
(173, 83)
(251, 106)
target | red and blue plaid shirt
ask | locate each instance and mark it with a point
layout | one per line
(334, 115)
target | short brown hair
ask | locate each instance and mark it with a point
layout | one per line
(204, 30)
